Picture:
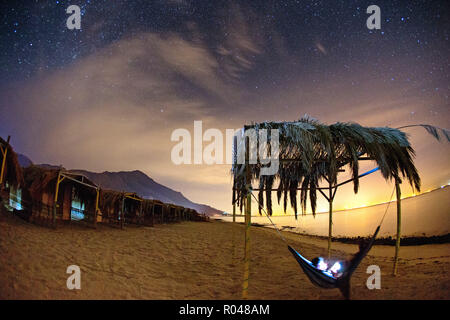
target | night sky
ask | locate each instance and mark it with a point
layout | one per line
(108, 96)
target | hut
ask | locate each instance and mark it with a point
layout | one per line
(200, 217)
(152, 211)
(56, 195)
(185, 214)
(165, 213)
(174, 212)
(190, 214)
(118, 208)
(11, 176)
(159, 211)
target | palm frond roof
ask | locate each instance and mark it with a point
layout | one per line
(310, 151)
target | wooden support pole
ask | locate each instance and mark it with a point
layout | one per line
(153, 215)
(330, 218)
(248, 222)
(399, 224)
(234, 212)
(122, 213)
(234, 177)
(55, 200)
(96, 208)
(4, 154)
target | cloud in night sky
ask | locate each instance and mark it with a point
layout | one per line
(115, 108)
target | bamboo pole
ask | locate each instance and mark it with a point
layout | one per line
(330, 218)
(55, 200)
(4, 153)
(96, 208)
(234, 212)
(248, 222)
(153, 214)
(122, 213)
(234, 177)
(247, 246)
(399, 225)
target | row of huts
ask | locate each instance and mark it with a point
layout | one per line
(50, 196)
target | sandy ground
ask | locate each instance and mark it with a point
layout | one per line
(195, 260)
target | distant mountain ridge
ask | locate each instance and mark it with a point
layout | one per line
(135, 181)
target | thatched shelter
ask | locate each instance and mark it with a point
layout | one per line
(160, 208)
(152, 211)
(309, 153)
(11, 173)
(200, 217)
(193, 215)
(120, 207)
(53, 195)
(174, 212)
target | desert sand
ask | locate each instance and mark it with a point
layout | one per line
(195, 260)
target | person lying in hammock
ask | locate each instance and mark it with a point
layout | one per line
(337, 268)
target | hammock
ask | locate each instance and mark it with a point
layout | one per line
(325, 279)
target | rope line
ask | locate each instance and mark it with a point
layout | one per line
(273, 224)
(278, 230)
(387, 207)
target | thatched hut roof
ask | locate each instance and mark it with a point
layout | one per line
(39, 180)
(111, 200)
(147, 204)
(310, 151)
(13, 172)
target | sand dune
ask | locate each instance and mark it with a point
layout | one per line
(194, 260)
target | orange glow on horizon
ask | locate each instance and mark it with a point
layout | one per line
(278, 210)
